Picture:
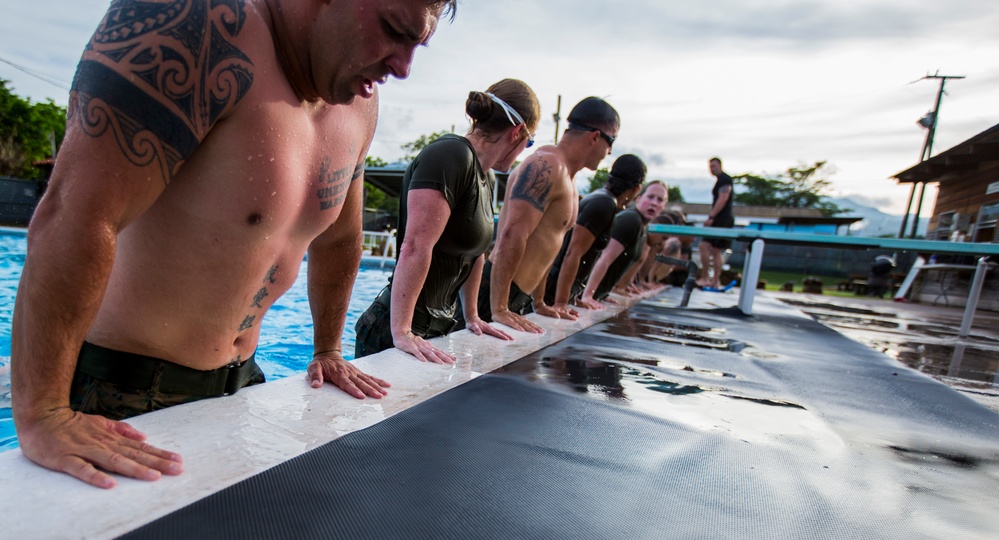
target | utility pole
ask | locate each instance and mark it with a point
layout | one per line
(557, 117)
(928, 121)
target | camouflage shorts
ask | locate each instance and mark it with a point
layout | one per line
(92, 395)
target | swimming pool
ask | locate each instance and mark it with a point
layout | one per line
(285, 339)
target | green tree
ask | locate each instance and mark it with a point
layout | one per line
(798, 187)
(597, 180)
(413, 148)
(372, 161)
(26, 129)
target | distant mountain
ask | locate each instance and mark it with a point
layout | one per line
(876, 222)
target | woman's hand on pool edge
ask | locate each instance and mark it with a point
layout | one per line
(479, 327)
(422, 349)
(330, 366)
(85, 446)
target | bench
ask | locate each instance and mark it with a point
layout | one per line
(859, 287)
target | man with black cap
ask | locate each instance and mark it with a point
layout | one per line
(583, 244)
(539, 207)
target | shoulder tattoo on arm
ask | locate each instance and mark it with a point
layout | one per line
(157, 75)
(534, 184)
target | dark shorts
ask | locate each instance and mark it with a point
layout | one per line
(118, 385)
(721, 243)
(551, 287)
(520, 302)
(373, 330)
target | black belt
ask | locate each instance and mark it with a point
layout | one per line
(518, 300)
(148, 373)
(424, 324)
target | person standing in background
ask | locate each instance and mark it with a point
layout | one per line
(720, 215)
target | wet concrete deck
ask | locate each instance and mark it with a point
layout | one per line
(921, 336)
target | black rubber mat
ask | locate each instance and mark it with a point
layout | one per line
(658, 423)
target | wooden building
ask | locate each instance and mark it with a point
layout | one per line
(967, 206)
(967, 176)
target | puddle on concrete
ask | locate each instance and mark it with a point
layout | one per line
(770, 402)
(668, 332)
(652, 360)
(837, 307)
(614, 381)
(937, 458)
(941, 359)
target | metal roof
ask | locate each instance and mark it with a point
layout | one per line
(950, 164)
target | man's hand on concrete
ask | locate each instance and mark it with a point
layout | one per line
(85, 446)
(330, 366)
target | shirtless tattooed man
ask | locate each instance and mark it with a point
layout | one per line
(539, 207)
(210, 144)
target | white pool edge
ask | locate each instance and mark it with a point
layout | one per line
(226, 440)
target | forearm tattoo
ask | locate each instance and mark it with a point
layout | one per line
(269, 279)
(158, 75)
(534, 184)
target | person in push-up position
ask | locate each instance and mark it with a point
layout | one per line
(210, 144)
(539, 207)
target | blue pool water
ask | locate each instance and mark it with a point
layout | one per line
(285, 339)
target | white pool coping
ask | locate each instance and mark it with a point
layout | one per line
(226, 440)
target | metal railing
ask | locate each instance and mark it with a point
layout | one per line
(757, 240)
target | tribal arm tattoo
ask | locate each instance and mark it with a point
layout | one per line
(533, 184)
(157, 75)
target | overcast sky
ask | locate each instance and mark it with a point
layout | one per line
(765, 84)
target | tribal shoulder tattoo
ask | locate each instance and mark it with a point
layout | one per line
(158, 74)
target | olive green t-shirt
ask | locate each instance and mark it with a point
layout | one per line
(449, 165)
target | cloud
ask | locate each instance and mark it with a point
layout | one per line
(689, 26)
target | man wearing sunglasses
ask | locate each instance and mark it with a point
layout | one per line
(539, 208)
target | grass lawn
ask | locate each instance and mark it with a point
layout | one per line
(776, 279)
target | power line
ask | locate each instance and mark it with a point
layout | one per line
(35, 74)
(929, 121)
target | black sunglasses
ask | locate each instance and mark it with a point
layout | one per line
(580, 127)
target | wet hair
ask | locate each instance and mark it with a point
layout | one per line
(596, 113)
(490, 118)
(716, 159)
(627, 172)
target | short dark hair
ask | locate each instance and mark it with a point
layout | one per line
(718, 159)
(448, 8)
(594, 112)
(627, 172)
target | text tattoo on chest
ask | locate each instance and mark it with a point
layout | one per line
(333, 184)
